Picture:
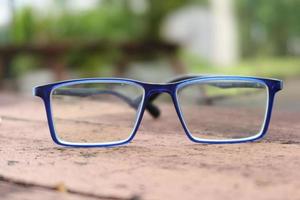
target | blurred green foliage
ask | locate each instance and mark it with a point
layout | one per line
(23, 28)
(106, 22)
(265, 29)
(280, 67)
(112, 20)
(267, 26)
(22, 64)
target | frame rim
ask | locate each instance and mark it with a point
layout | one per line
(45, 91)
(51, 123)
(261, 132)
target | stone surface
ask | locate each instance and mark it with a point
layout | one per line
(160, 163)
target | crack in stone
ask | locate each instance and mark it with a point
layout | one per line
(28, 185)
(10, 118)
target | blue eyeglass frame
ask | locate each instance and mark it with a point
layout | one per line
(150, 93)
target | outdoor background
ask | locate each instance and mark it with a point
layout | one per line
(152, 40)
(149, 40)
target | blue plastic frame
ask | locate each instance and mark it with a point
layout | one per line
(152, 89)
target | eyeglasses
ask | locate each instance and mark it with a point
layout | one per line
(107, 111)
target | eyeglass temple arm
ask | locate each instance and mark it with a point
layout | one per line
(152, 109)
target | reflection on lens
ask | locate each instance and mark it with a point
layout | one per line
(95, 112)
(223, 110)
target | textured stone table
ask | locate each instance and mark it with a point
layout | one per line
(160, 163)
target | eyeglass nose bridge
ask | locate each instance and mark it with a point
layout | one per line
(156, 90)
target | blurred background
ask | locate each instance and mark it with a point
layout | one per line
(150, 40)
